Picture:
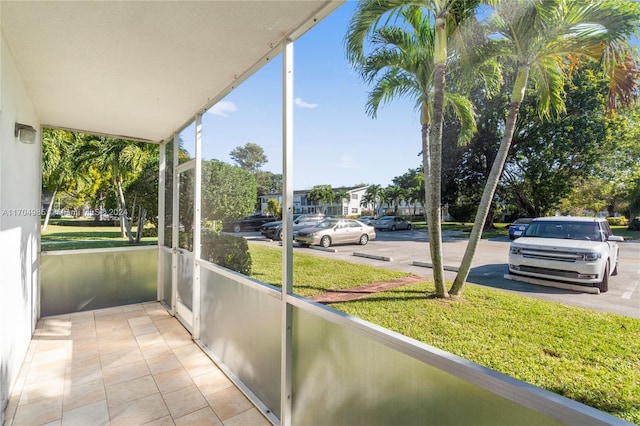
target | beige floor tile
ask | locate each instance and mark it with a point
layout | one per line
(84, 394)
(199, 365)
(95, 414)
(84, 374)
(228, 403)
(204, 416)
(164, 362)
(89, 369)
(39, 412)
(138, 412)
(169, 381)
(251, 417)
(108, 346)
(188, 351)
(44, 389)
(125, 372)
(184, 401)
(121, 357)
(121, 393)
(150, 339)
(212, 382)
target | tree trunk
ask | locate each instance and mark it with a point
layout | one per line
(46, 218)
(517, 96)
(141, 218)
(124, 220)
(432, 153)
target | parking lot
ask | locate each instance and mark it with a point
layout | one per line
(401, 249)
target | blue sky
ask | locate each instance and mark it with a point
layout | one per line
(335, 142)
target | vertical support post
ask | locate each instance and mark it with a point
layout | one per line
(287, 245)
(175, 227)
(197, 218)
(161, 218)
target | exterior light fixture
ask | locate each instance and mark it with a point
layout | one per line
(26, 133)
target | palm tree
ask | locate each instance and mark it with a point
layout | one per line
(409, 59)
(57, 174)
(544, 40)
(373, 196)
(340, 196)
(120, 159)
(322, 195)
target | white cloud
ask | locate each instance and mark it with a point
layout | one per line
(302, 104)
(223, 108)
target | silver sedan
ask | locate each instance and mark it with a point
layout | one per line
(336, 231)
(391, 223)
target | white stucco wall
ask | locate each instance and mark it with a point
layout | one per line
(20, 170)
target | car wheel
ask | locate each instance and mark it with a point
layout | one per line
(325, 241)
(281, 235)
(615, 268)
(603, 285)
(236, 227)
(409, 227)
(393, 228)
(364, 239)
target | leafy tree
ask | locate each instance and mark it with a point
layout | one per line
(322, 195)
(228, 192)
(268, 183)
(250, 157)
(412, 186)
(409, 60)
(543, 39)
(549, 156)
(273, 207)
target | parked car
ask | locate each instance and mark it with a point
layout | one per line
(336, 231)
(366, 219)
(579, 250)
(517, 228)
(300, 221)
(391, 223)
(249, 223)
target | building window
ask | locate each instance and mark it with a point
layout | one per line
(354, 196)
(354, 210)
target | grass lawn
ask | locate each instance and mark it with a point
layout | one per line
(588, 356)
(59, 237)
(312, 274)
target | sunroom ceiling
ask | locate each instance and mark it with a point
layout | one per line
(142, 69)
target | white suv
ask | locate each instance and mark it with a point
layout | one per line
(580, 250)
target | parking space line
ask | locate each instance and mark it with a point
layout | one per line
(627, 294)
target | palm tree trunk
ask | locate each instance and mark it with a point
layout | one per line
(46, 218)
(123, 213)
(517, 96)
(434, 154)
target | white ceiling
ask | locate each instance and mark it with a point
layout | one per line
(143, 69)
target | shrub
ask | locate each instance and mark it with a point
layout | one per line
(635, 225)
(617, 220)
(228, 251)
(463, 212)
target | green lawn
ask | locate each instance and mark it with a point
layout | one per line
(312, 274)
(59, 237)
(588, 356)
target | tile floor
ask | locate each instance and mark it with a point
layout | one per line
(129, 365)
